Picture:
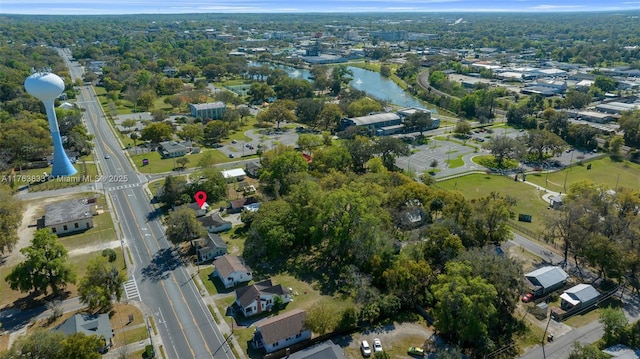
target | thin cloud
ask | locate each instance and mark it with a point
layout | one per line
(557, 7)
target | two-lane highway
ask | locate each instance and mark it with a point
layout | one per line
(185, 324)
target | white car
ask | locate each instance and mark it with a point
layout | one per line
(365, 349)
(377, 345)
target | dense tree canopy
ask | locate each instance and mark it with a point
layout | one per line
(45, 266)
(102, 282)
(10, 219)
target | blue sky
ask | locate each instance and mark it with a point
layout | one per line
(90, 7)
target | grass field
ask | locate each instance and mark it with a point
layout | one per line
(87, 172)
(528, 198)
(80, 262)
(603, 171)
(157, 164)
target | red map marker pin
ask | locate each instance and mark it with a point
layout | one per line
(200, 197)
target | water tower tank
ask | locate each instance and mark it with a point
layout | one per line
(46, 87)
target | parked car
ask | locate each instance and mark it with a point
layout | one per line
(231, 155)
(527, 297)
(415, 351)
(234, 142)
(365, 349)
(377, 345)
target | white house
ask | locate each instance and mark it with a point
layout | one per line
(214, 223)
(231, 270)
(281, 331)
(210, 247)
(260, 297)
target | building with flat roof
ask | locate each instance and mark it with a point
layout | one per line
(617, 108)
(211, 110)
(69, 216)
(372, 122)
(237, 174)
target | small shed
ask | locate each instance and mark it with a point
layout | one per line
(555, 201)
(237, 174)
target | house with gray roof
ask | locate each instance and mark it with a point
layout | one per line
(199, 210)
(281, 331)
(69, 216)
(231, 270)
(546, 279)
(210, 247)
(579, 296)
(260, 297)
(90, 324)
(172, 149)
(213, 223)
(324, 350)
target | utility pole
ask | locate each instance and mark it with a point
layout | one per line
(544, 335)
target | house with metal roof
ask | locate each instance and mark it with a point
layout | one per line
(281, 331)
(579, 296)
(546, 279)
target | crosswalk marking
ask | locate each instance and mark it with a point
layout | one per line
(131, 289)
(123, 187)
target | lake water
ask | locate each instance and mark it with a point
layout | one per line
(371, 82)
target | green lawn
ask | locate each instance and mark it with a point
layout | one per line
(87, 172)
(456, 162)
(603, 171)
(157, 164)
(130, 336)
(80, 262)
(102, 232)
(529, 200)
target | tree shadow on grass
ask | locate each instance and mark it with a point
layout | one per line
(163, 262)
(24, 310)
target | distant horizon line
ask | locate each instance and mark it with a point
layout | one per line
(478, 11)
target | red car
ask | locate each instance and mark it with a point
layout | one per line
(527, 297)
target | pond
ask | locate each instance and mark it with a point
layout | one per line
(371, 82)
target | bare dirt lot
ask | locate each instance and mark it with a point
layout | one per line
(32, 211)
(395, 338)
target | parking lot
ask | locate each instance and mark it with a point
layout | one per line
(264, 141)
(445, 150)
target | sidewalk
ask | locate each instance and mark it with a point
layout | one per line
(219, 317)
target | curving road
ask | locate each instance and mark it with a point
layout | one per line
(185, 325)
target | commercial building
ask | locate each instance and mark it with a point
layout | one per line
(211, 110)
(69, 216)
